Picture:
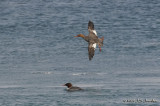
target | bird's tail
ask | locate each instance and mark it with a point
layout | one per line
(100, 44)
(102, 38)
(101, 41)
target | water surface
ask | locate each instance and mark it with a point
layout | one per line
(38, 53)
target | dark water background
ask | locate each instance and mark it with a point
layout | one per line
(38, 53)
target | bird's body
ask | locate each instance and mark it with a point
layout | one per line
(92, 40)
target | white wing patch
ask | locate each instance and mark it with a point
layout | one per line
(94, 45)
(94, 31)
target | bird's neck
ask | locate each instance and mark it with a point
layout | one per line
(81, 35)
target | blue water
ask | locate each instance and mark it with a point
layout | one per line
(38, 53)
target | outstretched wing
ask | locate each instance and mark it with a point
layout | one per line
(90, 25)
(91, 50)
(92, 32)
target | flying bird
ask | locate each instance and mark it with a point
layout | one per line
(92, 40)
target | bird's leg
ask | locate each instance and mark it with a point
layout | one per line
(99, 48)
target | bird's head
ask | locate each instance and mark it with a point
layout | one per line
(68, 85)
(80, 35)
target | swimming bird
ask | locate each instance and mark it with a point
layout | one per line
(92, 40)
(72, 88)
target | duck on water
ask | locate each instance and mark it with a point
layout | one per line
(70, 87)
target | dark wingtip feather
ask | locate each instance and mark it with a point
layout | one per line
(90, 52)
(90, 25)
(90, 58)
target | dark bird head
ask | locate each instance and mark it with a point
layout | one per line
(90, 25)
(68, 85)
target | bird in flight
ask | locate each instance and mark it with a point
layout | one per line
(92, 40)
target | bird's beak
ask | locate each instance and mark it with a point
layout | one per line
(76, 36)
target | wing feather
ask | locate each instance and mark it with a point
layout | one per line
(91, 51)
(90, 25)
